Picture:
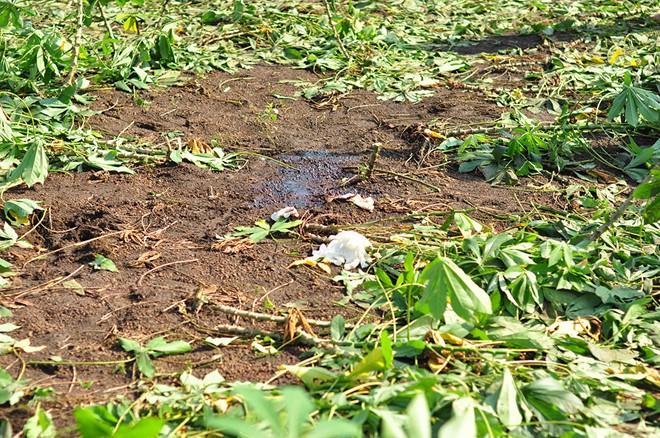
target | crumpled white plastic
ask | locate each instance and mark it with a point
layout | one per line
(286, 212)
(346, 247)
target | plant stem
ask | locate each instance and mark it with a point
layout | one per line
(619, 211)
(65, 363)
(334, 29)
(107, 27)
(265, 317)
(76, 44)
(496, 129)
(409, 178)
(372, 160)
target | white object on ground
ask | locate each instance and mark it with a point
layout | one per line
(364, 203)
(348, 248)
(286, 212)
(357, 199)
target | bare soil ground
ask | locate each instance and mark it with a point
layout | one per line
(159, 226)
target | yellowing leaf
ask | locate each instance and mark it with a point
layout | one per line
(24, 345)
(322, 265)
(434, 134)
(131, 25)
(374, 361)
(615, 55)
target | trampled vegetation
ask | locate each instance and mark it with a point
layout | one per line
(550, 327)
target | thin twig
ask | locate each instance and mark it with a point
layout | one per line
(409, 178)
(265, 317)
(241, 331)
(373, 158)
(50, 284)
(178, 262)
(73, 245)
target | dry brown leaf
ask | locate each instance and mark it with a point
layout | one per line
(197, 146)
(603, 176)
(436, 361)
(145, 257)
(296, 320)
(233, 246)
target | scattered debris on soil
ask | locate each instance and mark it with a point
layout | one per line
(158, 226)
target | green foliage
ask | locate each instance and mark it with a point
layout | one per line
(102, 422)
(11, 391)
(154, 348)
(288, 415)
(451, 305)
(263, 229)
(446, 282)
(40, 425)
(650, 191)
(633, 102)
(103, 263)
(17, 211)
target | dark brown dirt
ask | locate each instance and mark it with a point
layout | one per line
(174, 212)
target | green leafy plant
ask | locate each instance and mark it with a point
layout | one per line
(446, 282)
(650, 191)
(17, 211)
(109, 421)
(154, 348)
(288, 414)
(103, 263)
(263, 229)
(635, 104)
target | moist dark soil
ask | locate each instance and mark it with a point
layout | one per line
(160, 226)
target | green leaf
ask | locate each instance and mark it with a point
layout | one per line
(33, 168)
(18, 210)
(90, 424)
(507, 402)
(129, 344)
(337, 327)
(445, 280)
(234, 427)
(40, 425)
(158, 346)
(610, 355)
(74, 286)
(9, 235)
(144, 428)
(632, 102)
(8, 327)
(144, 363)
(419, 417)
(312, 377)
(374, 361)
(386, 345)
(652, 211)
(104, 264)
(108, 162)
(298, 406)
(462, 422)
(390, 427)
(263, 408)
(553, 393)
